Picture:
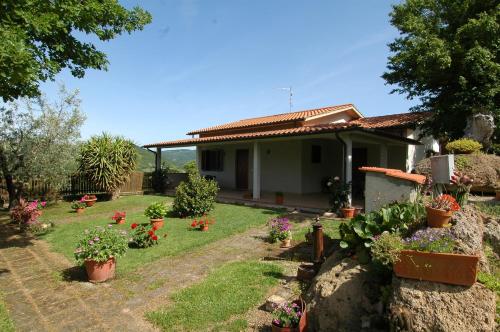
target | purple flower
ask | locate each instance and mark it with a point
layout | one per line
(109, 225)
(96, 239)
(91, 242)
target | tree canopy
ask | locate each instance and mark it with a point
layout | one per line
(447, 56)
(39, 38)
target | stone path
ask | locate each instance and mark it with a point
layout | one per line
(40, 297)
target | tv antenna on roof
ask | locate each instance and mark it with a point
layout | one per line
(289, 89)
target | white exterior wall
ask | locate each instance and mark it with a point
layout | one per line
(418, 152)
(281, 166)
(381, 190)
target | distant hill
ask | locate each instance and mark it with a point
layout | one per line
(177, 158)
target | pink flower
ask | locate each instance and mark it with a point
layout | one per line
(43, 204)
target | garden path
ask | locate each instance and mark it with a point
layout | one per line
(41, 297)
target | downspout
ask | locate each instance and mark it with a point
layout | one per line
(344, 148)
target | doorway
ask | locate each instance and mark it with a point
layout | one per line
(242, 158)
(359, 159)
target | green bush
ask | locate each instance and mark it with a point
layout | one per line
(464, 146)
(386, 248)
(156, 210)
(195, 197)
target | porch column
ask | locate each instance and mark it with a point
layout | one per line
(348, 163)
(198, 158)
(256, 170)
(383, 155)
(158, 159)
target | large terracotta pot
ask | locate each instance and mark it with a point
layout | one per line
(79, 210)
(437, 218)
(157, 222)
(348, 212)
(287, 243)
(120, 221)
(90, 202)
(100, 271)
(203, 227)
(280, 199)
(447, 268)
(302, 323)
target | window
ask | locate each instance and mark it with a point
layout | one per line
(316, 154)
(212, 160)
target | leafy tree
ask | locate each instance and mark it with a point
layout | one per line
(447, 57)
(108, 161)
(191, 167)
(39, 38)
(38, 140)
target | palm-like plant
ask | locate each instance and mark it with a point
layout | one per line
(108, 161)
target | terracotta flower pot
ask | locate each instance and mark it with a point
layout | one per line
(90, 202)
(305, 272)
(447, 268)
(280, 199)
(120, 221)
(79, 210)
(287, 243)
(203, 228)
(437, 218)
(302, 322)
(157, 222)
(100, 271)
(348, 212)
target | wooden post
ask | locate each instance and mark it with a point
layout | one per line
(318, 251)
(256, 171)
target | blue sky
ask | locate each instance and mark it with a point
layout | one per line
(201, 63)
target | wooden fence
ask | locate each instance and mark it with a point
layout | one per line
(138, 183)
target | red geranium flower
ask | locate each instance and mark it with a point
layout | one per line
(151, 233)
(194, 223)
(155, 228)
(155, 238)
(133, 226)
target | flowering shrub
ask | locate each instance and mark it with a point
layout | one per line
(462, 184)
(287, 315)
(100, 244)
(156, 210)
(78, 205)
(39, 204)
(431, 240)
(25, 213)
(386, 248)
(339, 193)
(445, 202)
(119, 216)
(280, 229)
(39, 228)
(143, 236)
(202, 221)
(88, 198)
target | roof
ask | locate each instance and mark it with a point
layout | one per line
(277, 118)
(298, 131)
(392, 120)
(395, 173)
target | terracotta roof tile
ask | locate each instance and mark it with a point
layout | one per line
(273, 119)
(395, 173)
(392, 120)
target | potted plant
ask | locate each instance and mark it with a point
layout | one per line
(280, 198)
(290, 317)
(98, 249)
(119, 217)
(348, 211)
(156, 212)
(89, 200)
(440, 210)
(143, 236)
(78, 206)
(203, 223)
(462, 184)
(340, 197)
(427, 255)
(280, 229)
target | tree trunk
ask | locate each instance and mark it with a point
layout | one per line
(115, 194)
(11, 189)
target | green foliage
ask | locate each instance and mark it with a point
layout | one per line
(230, 290)
(495, 149)
(385, 249)
(447, 56)
(78, 205)
(108, 161)
(39, 39)
(398, 217)
(439, 240)
(196, 196)
(156, 210)
(191, 167)
(339, 193)
(160, 178)
(143, 236)
(100, 244)
(38, 141)
(462, 163)
(6, 324)
(464, 146)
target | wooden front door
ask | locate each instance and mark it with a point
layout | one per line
(359, 159)
(242, 169)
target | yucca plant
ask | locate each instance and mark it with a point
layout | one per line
(107, 161)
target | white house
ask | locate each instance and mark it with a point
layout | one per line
(294, 152)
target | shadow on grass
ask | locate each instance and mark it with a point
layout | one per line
(74, 273)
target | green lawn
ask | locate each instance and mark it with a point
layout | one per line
(491, 208)
(216, 302)
(6, 324)
(229, 220)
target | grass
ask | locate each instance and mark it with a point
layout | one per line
(6, 324)
(491, 208)
(228, 291)
(330, 229)
(492, 280)
(175, 236)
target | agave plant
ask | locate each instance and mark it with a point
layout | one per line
(108, 161)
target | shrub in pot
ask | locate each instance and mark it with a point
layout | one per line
(339, 197)
(98, 249)
(156, 212)
(143, 236)
(195, 197)
(78, 206)
(290, 317)
(89, 200)
(440, 210)
(202, 224)
(119, 217)
(280, 229)
(461, 187)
